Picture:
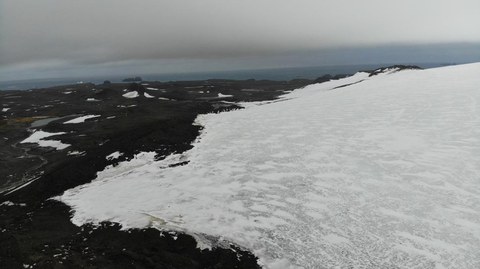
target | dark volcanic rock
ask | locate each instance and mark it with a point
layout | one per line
(329, 77)
(10, 255)
(46, 238)
(323, 78)
(393, 67)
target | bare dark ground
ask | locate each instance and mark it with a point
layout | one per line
(36, 232)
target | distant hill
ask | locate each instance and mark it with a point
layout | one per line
(132, 79)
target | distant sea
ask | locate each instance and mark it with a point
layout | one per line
(270, 74)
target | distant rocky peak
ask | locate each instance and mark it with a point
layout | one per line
(392, 69)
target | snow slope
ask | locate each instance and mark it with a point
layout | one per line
(384, 173)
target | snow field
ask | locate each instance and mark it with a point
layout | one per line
(383, 173)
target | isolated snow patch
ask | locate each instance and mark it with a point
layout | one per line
(133, 94)
(81, 119)
(148, 95)
(220, 95)
(38, 138)
(10, 203)
(114, 155)
(75, 153)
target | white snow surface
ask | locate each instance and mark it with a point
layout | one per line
(384, 173)
(148, 95)
(220, 95)
(114, 155)
(5, 109)
(37, 137)
(133, 94)
(81, 119)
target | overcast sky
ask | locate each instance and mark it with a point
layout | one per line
(180, 35)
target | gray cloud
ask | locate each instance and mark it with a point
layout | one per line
(63, 32)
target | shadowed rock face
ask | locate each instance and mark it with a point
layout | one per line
(37, 231)
(329, 77)
(393, 68)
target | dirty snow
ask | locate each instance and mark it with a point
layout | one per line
(81, 119)
(379, 174)
(38, 138)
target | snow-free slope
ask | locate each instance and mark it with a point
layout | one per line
(384, 173)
